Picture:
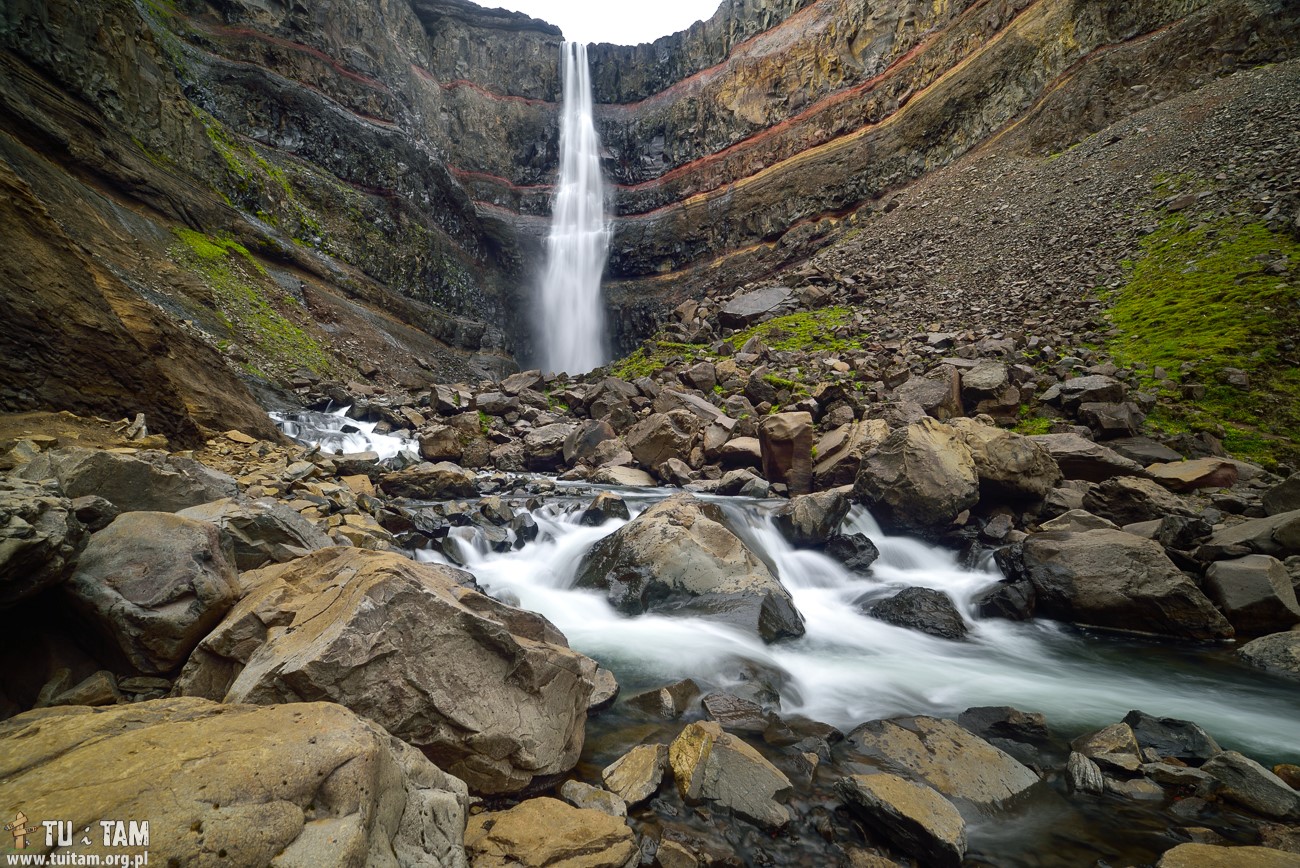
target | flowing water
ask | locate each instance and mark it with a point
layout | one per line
(571, 314)
(335, 433)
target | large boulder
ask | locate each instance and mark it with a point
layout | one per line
(785, 441)
(425, 481)
(582, 443)
(679, 556)
(661, 436)
(491, 693)
(1278, 654)
(919, 478)
(1277, 535)
(1129, 499)
(812, 519)
(544, 446)
(260, 531)
(752, 306)
(547, 832)
(133, 480)
(1255, 593)
(1080, 458)
(710, 765)
(840, 451)
(238, 785)
(1091, 389)
(939, 394)
(636, 775)
(1198, 473)
(1249, 784)
(1215, 856)
(1010, 466)
(923, 609)
(942, 754)
(153, 584)
(1114, 580)
(40, 538)
(1283, 497)
(912, 817)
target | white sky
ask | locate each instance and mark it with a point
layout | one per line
(617, 21)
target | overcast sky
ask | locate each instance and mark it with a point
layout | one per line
(616, 21)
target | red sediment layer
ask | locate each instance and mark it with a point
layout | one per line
(250, 33)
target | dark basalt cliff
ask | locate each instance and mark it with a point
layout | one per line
(274, 191)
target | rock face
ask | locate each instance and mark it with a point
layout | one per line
(40, 538)
(710, 765)
(1111, 579)
(678, 556)
(154, 584)
(318, 784)
(491, 693)
(919, 478)
(914, 818)
(260, 531)
(133, 481)
(541, 832)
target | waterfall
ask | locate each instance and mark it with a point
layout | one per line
(571, 318)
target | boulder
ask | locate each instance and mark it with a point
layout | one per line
(810, 520)
(839, 452)
(913, 818)
(636, 775)
(547, 832)
(1077, 520)
(1255, 593)
(1184, 476)
(239, 785)
(133, 481)
(741, 452)
(661, 436)
(1278, 654)
(751, 307)
(742, 483)
(1114, 747)
(946, 756)
(1277, 535)
(1255, 788)
(668, 702)
(153, 584)
(1084, 775)
(1127, 499)
(1003, 721)
(1117, 581)
(544, 446)
(919, 478)
(701, 376)
(679, 556)
(626, 476)
(522, 381)
(736, 714)
(1109, 420)
(1009, 465)
(440, 443)
(1080, 458)
(923, 609)
(988, 379)
(587, 797)
(1013, 600)
(1091, 389)
(496, 403)
(854, 551)
(606, 506)
(1283, 497)
(710, 765)
(40, 538)
(1170, 738)
(1214, 856)
(672, 399)
(1144, 450)
(260, 532)
(491, 693)
(938, 394)
(441, 481)
(582, 444)
(785, 442)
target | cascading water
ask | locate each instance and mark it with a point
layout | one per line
(571, 317)
(335, 433)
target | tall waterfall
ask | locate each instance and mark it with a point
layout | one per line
(571, 332)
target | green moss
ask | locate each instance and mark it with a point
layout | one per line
(1034, 425)
(1205, 296)
(233, 277)
(808, 331)
(650, 359)
(484, 422)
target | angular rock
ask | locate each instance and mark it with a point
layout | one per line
(839, 452)
(636, 775)
(313, 783)
(1084, 775)
(938, 394)
(547, 832)
(1255, 788)
(606, 507)
(913, 818)
(1255, 593)
(1114, 580)
(919, 478)
(1198, 473)
(678, 556)
(441, 481)
(40, 539)
(1091, 389)
(741, 452)
(702, 376)
(522, 381)
(742, 483)
(440, 443)
(1077, 520)
(1182, 532)
(581, 446)
(1009, 465)
(544, 446)
(1170, 738)
(1277, 535)
(628, 476)
(133, 481)
(944, 755)
(785, 443)
(1283, 497)
(1144, 450)
(95, 512)
(1278, 654)
(1001, 721)
(661, 436)
(710, 765)
(1112, 420)
(1126, 499)
(1114, 747)
(751, 307)
(95, 690)
(1079, 458)
(587, 797)
(490, 692)
(1214, 856)
(986, 380)
(1014, 601)
(669, 702)
(153, 584)
(260, 531)
(810, 520)
(496, 403)
(854, 551)
(604, 691)
(923, 609)
(735, 714)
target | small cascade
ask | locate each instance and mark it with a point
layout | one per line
(571, 315)
(336, 434)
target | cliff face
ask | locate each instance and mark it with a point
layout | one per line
(279, 191)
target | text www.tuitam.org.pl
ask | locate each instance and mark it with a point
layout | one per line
(130, 837)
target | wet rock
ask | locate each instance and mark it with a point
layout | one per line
(260, 531)
(840, 452)
(855, 551)
(132, 481)
(636, 775)
(1114, 580)
(809, 520)
(923, 609)
(1278, 654)
(397, 642)
(1198, 473)
(1077, 521)
(1079, 458)
(944, 755)
(919, 478)
(605, 690)
(751, 307)
(661, 436)
(326, 784)
(40, 539)
(1255, 593)
(153, 584)
(1168, 737)
(1277, 535)
(669, 702)
(735, 714)
(1084, 775)
(544, 446)
(606, 507)
(678, 556)
(1283, 497)
(785, 442)
(712, 766)
(1180, 776)
(1009, 466)
(1125, 500)
(913, 818)
(1214, 856)
(1115, 747)
(546, 831)
(441, 481)
(587, 797)
(1005, 722)
(1247, 783)
(1014, 601)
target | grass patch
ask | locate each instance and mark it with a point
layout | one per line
(1212, 296)
(653, 357)
(808, 331)
(1032, 425)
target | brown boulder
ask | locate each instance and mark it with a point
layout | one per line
(785, 442)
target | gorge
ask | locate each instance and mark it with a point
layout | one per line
(842, 433)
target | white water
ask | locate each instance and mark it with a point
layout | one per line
(336, 434)
(571, 315)
(850, 668)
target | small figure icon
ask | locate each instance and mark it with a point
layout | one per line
(20, 831)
